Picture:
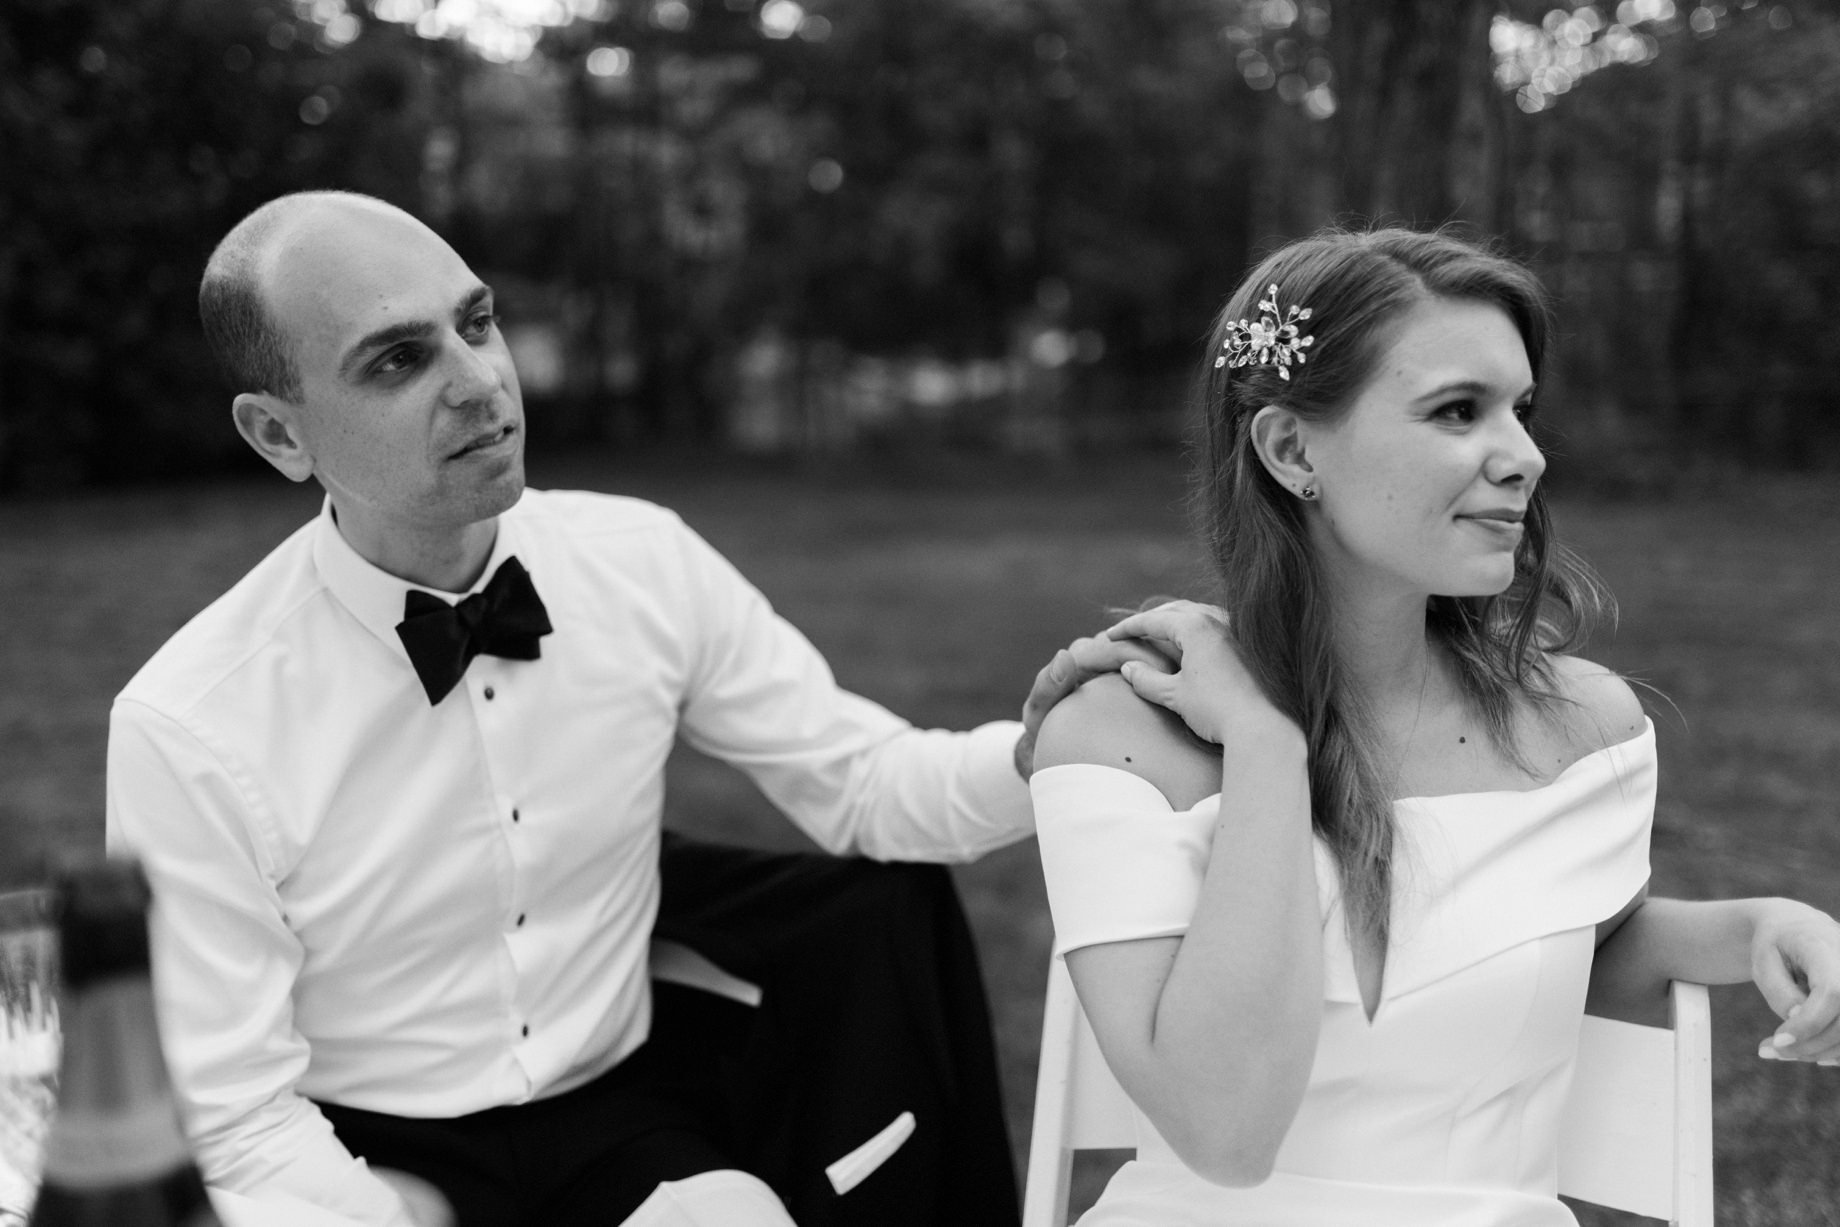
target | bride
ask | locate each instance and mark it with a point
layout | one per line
(1336, 919)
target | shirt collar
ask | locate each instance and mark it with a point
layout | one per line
(374, 596)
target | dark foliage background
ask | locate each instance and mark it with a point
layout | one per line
(832, 224)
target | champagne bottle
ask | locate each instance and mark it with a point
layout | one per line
(116, 1155)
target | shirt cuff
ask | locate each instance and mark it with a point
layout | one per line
(991, 781)
(1120, 864)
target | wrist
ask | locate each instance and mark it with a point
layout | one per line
(1262, 730)
(1773, 913)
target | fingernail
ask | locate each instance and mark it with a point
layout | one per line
(1793, 1011)
(1128, 669)
(1829, 1061)
(1767, 1053)
(1782, 1039)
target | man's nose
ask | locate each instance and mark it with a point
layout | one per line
(471, 375)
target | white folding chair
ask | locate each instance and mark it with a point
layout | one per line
(1637, 1133)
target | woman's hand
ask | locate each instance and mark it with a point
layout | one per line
(1209, 686)
(1795, 961)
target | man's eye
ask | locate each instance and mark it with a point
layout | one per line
(396, 362)
(481, 325)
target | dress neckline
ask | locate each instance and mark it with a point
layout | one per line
(1648, 728)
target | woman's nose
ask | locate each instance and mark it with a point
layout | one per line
(1517, 457)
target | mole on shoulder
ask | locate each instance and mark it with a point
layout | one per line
(1462, 741)
(1127, 758)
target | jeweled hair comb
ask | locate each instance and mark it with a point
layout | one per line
(1271, 341)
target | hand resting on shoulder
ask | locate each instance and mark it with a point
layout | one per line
(1106, 724)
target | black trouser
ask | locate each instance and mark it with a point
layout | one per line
(871, 1005)
(588, 1156)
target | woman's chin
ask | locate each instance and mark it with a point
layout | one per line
(1493, 582)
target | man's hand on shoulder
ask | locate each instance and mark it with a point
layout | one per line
(1073, 666)
(1108, 724)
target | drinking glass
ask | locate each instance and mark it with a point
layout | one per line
(28, 1043)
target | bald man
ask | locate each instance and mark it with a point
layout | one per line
(399, 789)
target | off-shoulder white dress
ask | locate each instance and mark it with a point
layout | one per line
(1443, 1110)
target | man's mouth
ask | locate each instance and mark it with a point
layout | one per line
(491, 438)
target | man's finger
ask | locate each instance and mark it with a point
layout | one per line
(1055, 682)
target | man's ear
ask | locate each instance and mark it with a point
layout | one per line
(267, 423)
(1279, 438)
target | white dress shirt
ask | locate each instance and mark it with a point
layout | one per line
(431, 910)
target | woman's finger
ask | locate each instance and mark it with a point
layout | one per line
(1169, 623)
(1151, 624)
(1822, 1049)
(1151, 684)
(1810, 1021)
(1096, 655)
(1777, 983)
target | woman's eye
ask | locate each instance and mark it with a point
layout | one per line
(1457, 411)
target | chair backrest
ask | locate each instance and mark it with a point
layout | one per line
(1637, 1133)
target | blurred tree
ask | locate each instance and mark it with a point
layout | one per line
(1418, 122)
(1681, 204)
(133, 134)
(910, 176)
(678, 189)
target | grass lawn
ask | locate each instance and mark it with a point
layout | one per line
(941, 598)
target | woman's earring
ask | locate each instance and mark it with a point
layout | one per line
(1307, 493)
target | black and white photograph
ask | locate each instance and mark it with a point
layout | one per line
(919, 613)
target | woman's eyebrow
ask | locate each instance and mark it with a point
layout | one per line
(1468, 387)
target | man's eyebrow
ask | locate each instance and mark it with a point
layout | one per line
(408, 330)
(479, 294)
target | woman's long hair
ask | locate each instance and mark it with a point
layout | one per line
(1357, 283)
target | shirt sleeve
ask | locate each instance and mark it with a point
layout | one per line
(224, 963)
(850, 773)
(1120, 863)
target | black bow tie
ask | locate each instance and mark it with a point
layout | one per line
(505, 618)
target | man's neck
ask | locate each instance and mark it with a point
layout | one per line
(445, 560)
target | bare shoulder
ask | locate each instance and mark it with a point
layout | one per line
(1104, 723)
(1601, 709)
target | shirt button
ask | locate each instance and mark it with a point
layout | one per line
(490, 693)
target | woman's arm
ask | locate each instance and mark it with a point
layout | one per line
(1212, 1033)
(1790, 950)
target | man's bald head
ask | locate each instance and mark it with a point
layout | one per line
(251, 351)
